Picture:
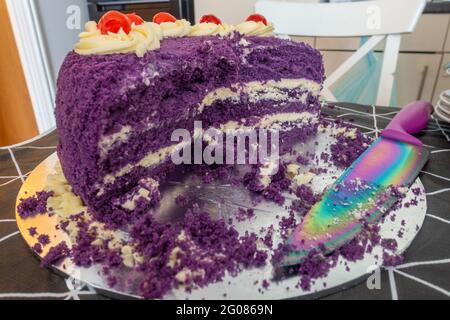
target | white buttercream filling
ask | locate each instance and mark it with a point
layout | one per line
(273, 122)
(107, 141)
(142, 193)
(259, 90)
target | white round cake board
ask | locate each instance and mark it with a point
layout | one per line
(248, 283)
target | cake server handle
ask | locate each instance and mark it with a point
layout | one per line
(412, 119)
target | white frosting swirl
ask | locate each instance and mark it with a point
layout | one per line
(141, 39)
(211, 29)
(179, 28)
(252, 28)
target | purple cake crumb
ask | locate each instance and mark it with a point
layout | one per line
(392, 260)
(34, 205)
(287, 225)
(416, 191)
(55, 255)
(44, 239)
(315, 266)
(268, 238)
(181, 201)
(32, 231)
(302, 160)
(244, 214)
(346, 150)
(218, 243)
(354, 250)
(37, 248)
(265, 284)
(390, 244)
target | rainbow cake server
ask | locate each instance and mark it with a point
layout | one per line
(363, 192)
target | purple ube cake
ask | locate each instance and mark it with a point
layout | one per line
(116, 112)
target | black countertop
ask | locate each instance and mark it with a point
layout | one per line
(437, 7)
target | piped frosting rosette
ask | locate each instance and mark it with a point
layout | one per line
(170, 26)
(123, 33)
(210, 25)
(118, 33)
(256, 25)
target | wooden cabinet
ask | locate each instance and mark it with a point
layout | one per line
(429, 36)
(443, 79)
(309, 40)
(415, 78)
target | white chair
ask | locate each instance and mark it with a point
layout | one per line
(380, 19)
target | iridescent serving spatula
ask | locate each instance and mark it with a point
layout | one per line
(362, 194)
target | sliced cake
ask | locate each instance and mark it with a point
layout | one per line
(128, 86)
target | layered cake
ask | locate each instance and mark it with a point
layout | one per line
(130, 84)
(129, 88)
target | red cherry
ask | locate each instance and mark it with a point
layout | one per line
(210, 18)
(113, 21)
(134, 18)
(163, 17)
(257, 18)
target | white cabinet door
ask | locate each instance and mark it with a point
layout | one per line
(415, 78)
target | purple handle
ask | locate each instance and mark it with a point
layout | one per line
(412, 119)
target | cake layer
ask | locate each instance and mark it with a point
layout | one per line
(143, 139)
(271, 92)
(115, 113)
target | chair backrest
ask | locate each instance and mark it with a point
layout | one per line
(380, 19)
(347, 19)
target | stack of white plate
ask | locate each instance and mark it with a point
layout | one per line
(442, 109)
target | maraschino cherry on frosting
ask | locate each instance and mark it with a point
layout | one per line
(210, 18)
(163, 17)
(113, 21)
(257, 18)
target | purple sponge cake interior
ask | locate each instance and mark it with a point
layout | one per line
(116, 112)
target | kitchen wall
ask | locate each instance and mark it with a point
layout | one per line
(60, 28)
(229, 11)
